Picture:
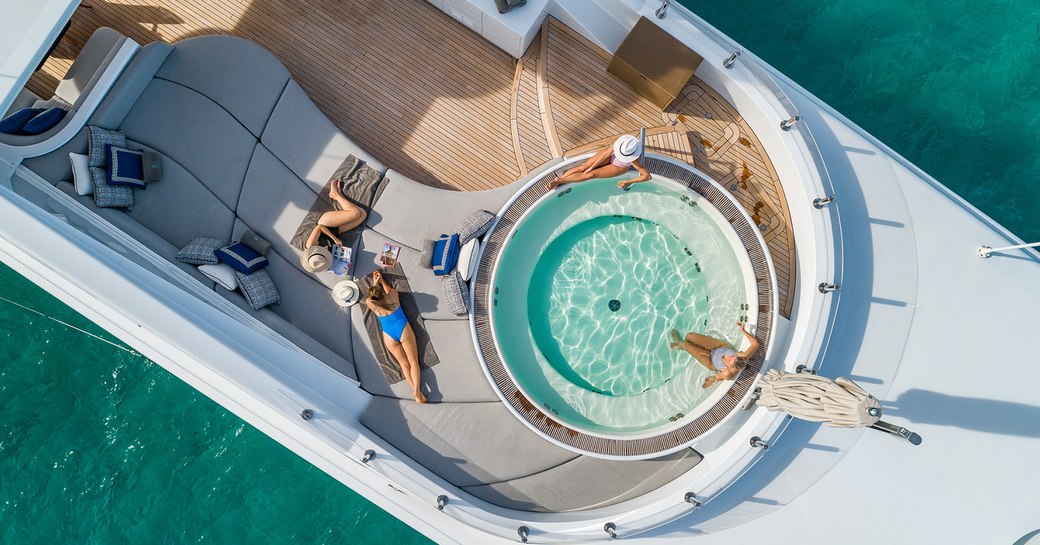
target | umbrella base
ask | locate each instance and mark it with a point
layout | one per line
(898, 431)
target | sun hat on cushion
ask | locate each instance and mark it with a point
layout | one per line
(316, 259)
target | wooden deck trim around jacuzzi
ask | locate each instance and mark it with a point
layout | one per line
(639, 447)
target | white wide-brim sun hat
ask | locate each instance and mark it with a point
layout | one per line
(316, 259)
(346, 293)
(627, 148)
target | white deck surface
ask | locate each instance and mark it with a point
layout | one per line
(966, 378)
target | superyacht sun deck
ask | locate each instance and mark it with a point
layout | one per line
(860, 262)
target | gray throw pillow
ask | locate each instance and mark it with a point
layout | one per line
(426, 254)
(200, 251)
(110, 196)
(253, 240)
(258, 289)
(96, 141)
(474, 225)
(456, 293)
(151, 162)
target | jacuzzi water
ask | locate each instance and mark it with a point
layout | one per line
(590, 284)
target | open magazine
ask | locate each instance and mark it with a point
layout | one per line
(389, 255)
(340, 260)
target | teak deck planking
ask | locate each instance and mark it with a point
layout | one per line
(437, 102)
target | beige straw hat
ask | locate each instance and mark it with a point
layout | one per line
(316, 259)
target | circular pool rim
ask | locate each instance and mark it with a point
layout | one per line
(657, 441)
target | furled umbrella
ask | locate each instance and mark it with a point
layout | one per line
(840, 403)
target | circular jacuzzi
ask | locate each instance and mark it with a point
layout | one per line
(577, 293)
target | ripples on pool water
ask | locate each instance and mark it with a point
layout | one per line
(100, 447)
(615, 349)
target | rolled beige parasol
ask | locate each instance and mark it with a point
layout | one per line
(840, 403)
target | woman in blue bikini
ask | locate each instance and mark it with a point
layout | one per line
(385, 302)
(718, 356)
(609, 162)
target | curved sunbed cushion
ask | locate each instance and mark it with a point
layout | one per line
(13, 123)
(241, 76)
(44, 121)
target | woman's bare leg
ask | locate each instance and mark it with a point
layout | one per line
(411, 350)
(398, 352)
(347, 217)
(706, 342)
(601, 158)
(702, 355)
(344, 220)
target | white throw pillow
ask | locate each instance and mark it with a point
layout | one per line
(222, 274)
(81, 174)
(468, 259)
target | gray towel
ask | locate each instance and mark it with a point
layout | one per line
(362, 185)
(427, 355)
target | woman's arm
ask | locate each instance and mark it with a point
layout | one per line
(644, 175)
(312, 240)
(753, 347)
(387, 288)
(328, 232)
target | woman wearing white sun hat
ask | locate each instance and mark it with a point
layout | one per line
(609, 162)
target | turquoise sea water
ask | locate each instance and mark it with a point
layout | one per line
(100, 446)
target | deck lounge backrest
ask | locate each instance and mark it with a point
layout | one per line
(96, 56)
(306, 141)
(92, 60)
(239, 76)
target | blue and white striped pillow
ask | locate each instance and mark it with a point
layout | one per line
(241, 257)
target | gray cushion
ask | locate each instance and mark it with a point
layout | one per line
(456, 293)
(293, 334)
(145, 236)
(98, 138)
(603, 483)
(93, 57)
(426, 253)
(274, 202)
(200, 251)
(308, 305)
(110, 196)
(242, 77)
(54, 166)
(181, 207)
(306, 141)
(254, 241)
(474, 225)
(258, 289)
(412, 212)
(131, 83)
(465, 443)
(196, 132)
